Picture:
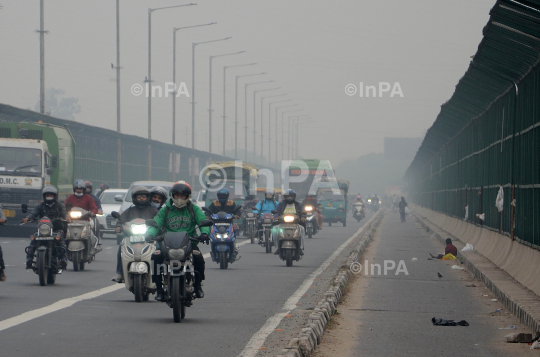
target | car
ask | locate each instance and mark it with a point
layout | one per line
(109, 204)
(200, 198)
(126, 201)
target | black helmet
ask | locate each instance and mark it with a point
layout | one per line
(89, 186)
(289, 196)
(104, 187)
(223, 195)
(158, 190)
(181, 187)
(140, 190)
(79, 184)
(48, 190)
(269, 194)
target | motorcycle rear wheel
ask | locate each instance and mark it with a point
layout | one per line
(310, 233)
(43, 271)
(137, 288)
(251, 233)
(288, 257)
(176, 299)
(223, 261)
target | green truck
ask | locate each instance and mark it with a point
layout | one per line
(32, 155)
(301, 174)
(333, 205)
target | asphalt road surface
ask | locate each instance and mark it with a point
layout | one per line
(47, 321)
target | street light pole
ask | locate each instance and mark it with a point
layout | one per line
(193, 46)
(210, 99)
(269, 128)
(42, 33)
(245, 114)
(149, 77)
(236, 111)
(276, 117)
(224, 96)
(269, 119)
(254, 124)
(174, 78)
(288, 133)
(301, 121)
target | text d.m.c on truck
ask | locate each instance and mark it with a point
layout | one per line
(32, 155)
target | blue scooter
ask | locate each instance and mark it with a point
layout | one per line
(222, 238)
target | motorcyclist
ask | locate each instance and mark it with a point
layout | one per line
(181, 215)
(223, 203)
(289, 205)
(158, 196)
(102, 189)
(97, 201)
(267, 205)
(141, 209)
(3, 276)
(51, 208)
(311, 200)
(251, 201)
(80, 199)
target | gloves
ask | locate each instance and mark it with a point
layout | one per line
(204, 238)
(148, 239)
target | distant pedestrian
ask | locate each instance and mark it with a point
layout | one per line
(402, 205)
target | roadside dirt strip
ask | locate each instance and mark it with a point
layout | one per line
(310, 335)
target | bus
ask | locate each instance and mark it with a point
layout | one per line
(312, 170)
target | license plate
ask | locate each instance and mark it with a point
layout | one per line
(136, 239)
(9, 213)
(113, 223)
(43, 238)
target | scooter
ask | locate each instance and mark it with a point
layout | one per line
(178, 273)
(222, 238)
(81, 242)
(289, 238)
(312, 226)
(136, 256)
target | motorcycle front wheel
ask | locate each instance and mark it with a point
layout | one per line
(267, 242)
(43, 271)
(76, 259)
(288, 257)
(176, 299)
(223, 261)
(138, 288)
(310, 232)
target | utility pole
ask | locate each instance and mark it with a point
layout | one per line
(42, 33)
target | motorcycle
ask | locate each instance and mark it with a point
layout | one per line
(373, 204)
(289, 238)
(312, 226)
(46, 263)
(136, 256)
(222, 238)
(265, 233)
(358, 212)
(178, 274)
(251, 226)
(81, 242)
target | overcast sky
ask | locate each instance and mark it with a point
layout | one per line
(312, 49)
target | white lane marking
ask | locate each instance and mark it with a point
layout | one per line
(59, 305)
(258, 339)
(64, 303)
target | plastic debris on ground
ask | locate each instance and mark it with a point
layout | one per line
(511, 327)
(468, 247)
(457, 267)
(414, 259)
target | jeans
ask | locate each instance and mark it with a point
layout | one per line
(2, 266)
(402, 214)
(275, 240)
(119, 268)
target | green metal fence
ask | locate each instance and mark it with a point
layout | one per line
(487, 135)
(97, 156)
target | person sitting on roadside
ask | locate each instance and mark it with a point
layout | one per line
(450, 249)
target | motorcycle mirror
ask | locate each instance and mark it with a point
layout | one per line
(118, 198)
(206, 223)
(24, 208)
(206, 210)
(68, 206)
(115, 214)
(151, 223)
(274, 212)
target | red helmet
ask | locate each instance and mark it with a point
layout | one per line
(181, 187)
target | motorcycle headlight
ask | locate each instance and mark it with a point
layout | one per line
(176, 254)
(308, 208)
(222, 236)
(288, 219)
(75, 214)
(369, 200)
(138, 229)
(44, 230)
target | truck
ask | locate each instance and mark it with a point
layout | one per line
(313, 169)
(333, 206)
(32, 155)
(238, 177)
